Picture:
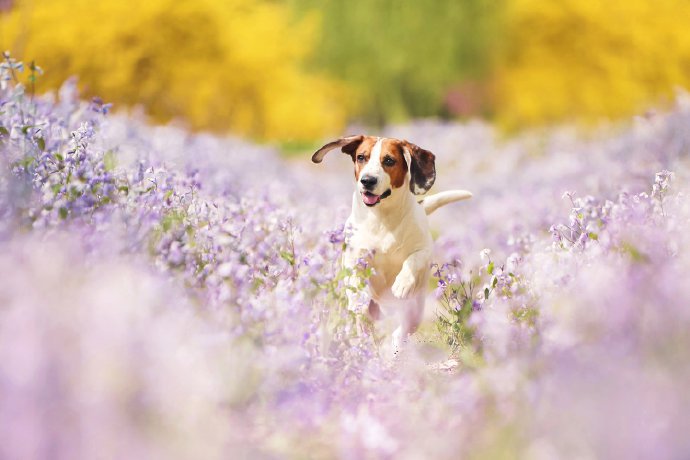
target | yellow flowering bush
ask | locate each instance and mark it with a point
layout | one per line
(235, 65)
(299, 70)
(589, 59)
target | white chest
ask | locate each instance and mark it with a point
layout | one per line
(391, 243)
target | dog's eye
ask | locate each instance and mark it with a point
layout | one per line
(388, 161)
(360, 158)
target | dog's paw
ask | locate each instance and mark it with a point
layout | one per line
(403, 285)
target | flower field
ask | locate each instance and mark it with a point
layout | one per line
(167, 294)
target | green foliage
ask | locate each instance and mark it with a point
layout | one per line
(457, 304)
(402, 58)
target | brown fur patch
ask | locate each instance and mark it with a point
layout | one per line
(422, 169)
(393, 149)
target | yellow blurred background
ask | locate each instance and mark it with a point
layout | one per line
(299, 70)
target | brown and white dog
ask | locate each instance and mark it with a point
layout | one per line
(390, 222)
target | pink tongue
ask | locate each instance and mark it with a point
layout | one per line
(370, 199)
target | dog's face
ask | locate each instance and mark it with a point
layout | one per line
(384, 167)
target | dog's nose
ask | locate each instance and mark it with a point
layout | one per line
(368, 181)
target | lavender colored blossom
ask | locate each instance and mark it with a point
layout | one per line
(168, 294)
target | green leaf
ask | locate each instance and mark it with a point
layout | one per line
(26, 162)
(593, 236)
(41, 143)
(486, 293)
(288, 256)
(635, 254)
(466, 307)
(490, 268)
(63, 213)
(4, 131)
(109, 160)
(494, 282)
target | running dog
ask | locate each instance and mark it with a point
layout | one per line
(388, 222)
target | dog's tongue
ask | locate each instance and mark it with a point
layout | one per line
(370, 198)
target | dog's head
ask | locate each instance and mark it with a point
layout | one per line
(385, 166)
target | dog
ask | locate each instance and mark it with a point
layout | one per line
(388, 223)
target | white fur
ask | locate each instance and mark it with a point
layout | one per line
(394, 235)
(396, 231)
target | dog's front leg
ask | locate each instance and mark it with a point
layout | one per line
(411, 319)
(413, 274)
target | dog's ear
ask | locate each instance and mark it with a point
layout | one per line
(422, 168)
(347, 144)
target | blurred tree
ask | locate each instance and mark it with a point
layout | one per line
(589, 59)
(298, 70)
(220, 65)
(403, 57)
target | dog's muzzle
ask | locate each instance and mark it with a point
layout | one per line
(369, 182)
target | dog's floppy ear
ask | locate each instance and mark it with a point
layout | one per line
(422, 168)
(347, 144)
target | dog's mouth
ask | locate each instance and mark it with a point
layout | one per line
(371, 199)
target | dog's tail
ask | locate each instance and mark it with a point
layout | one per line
(432, 202)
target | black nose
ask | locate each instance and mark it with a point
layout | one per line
(368, 181)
